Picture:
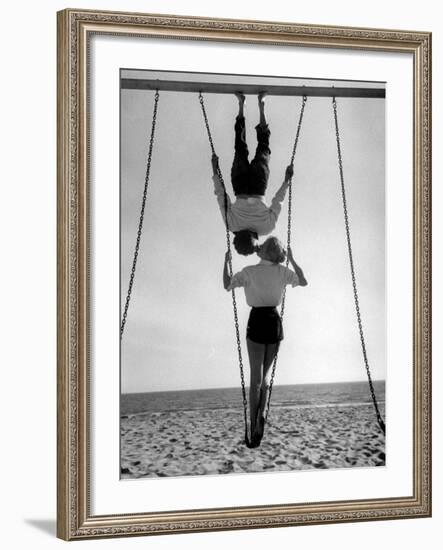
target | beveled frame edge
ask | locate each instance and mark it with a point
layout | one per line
(73, 518)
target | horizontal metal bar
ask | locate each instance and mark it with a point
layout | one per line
(230, 88)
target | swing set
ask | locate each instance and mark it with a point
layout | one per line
(277, 90)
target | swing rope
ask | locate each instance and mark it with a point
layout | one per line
(351, 264)
(230, 272)
(141, 218)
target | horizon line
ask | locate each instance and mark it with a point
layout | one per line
(238, 387)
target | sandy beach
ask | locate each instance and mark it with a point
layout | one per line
(163, 444)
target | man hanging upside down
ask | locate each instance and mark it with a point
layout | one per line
(249, 216)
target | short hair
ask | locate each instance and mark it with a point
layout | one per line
(274, 251)
(245, 241)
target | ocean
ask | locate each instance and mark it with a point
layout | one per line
(299, 396)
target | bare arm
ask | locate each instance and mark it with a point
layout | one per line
(226, 277)
(215, 165)
(281, 193)
(219, 190)
(297, 269)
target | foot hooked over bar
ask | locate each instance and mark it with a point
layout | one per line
(241, 103)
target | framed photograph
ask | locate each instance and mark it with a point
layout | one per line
(244, 283)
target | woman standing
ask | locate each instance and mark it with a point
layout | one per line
(264, 284)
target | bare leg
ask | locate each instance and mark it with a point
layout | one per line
(256, 354)
(261, 108)
(270, 353)
(241, 103)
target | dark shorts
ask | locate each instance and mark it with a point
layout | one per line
(264, 325)
(250, 178)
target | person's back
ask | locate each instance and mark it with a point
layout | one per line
(265, 282)
(251, 212)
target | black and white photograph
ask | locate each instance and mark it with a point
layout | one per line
(243, 274)
(218, 298)
(252, 274)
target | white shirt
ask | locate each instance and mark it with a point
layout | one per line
(251, 213)
(264, 283)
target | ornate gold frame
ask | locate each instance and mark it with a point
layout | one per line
(74, 520)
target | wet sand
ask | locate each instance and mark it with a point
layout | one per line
(164, 444)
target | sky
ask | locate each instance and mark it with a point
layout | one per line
(179, 333)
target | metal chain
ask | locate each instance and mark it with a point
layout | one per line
(142, 214)
(234, 301)
(288, 245)
(351, 263)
